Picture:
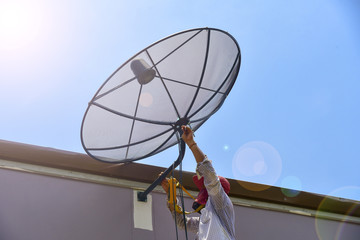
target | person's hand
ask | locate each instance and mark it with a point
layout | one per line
(165, 183)
(188, 135)
(165, 186)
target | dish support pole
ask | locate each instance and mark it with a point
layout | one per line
(142, 196)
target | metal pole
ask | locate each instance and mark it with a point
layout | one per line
(142, 196)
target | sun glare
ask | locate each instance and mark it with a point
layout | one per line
(19, 23)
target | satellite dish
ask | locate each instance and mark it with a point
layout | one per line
(181, 79)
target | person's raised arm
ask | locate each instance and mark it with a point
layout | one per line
(188, 137)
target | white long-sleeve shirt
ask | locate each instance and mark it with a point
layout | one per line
(217, 217)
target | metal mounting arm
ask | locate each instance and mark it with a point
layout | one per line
(142, 196)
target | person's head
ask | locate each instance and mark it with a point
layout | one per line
(202, 197)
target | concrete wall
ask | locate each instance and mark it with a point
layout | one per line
(36, 207)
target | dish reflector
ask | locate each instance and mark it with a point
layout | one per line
(181, 79)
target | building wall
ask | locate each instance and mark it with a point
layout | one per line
(36, 207)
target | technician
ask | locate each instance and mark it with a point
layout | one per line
(217, 218)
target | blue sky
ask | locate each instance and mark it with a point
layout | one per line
(291, 119)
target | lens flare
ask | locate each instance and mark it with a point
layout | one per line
(146, 99)
(257, 162)
(291, 186)
(226, 148)
(327, 229)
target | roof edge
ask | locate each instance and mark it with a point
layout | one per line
(82, 163)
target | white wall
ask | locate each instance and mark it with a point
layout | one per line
(36, 207)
